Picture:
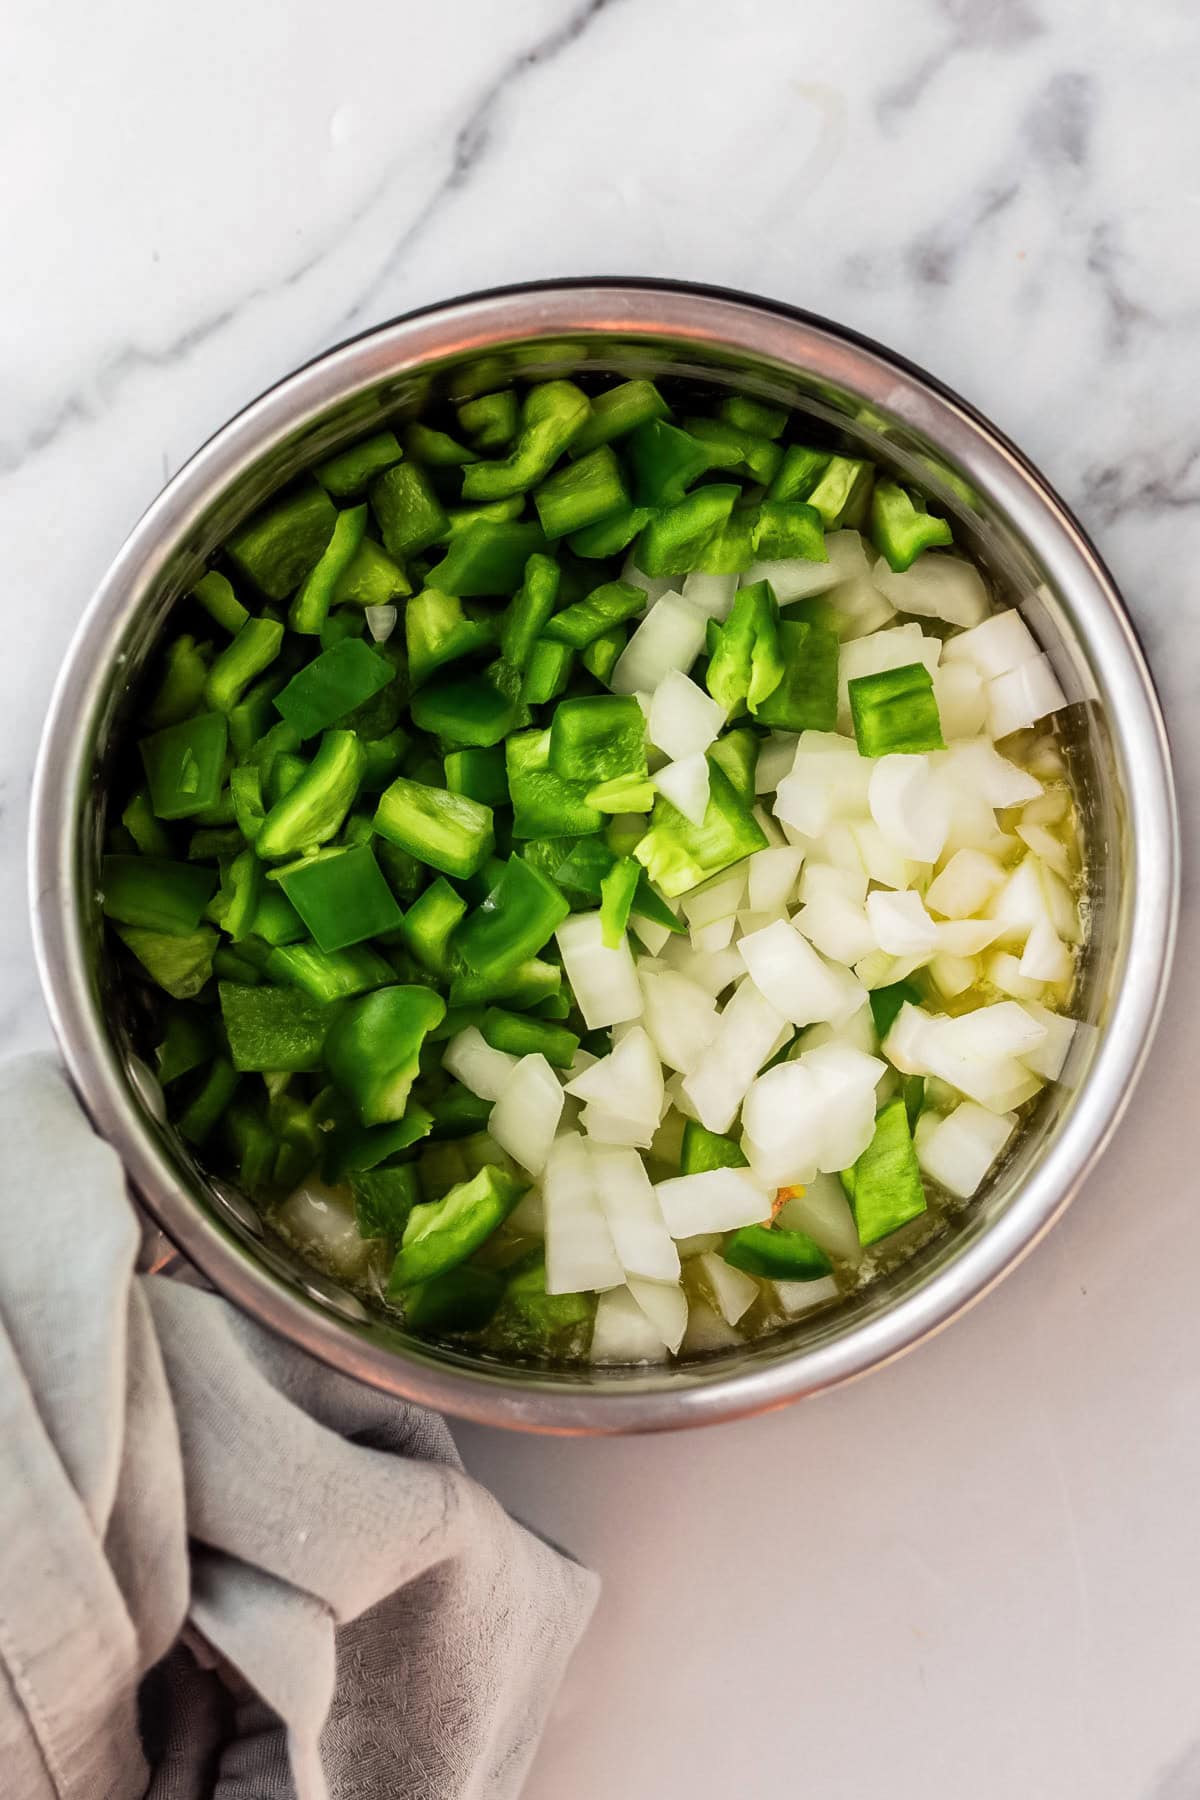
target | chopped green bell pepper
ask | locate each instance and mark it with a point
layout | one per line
(180, 691)
(581, 493)
(328, 975)
(373, 1048)
(807, 696)
(279, 545)
(490, 420)
(437, 449)
(678, 855)
(799, 472)
(317, 591)
(617, 412)
(437, 631)
(272, 1027)
(313, 810)
(520, 913)
(703, 1150)
(341, 895)
(472, 710)
(896, 711)
(371, 578)
(139, 821)
(410, 515)
(676, 539)
(184, 765)
(886, 1003)
(383, 1199)
(478, 773)
(788, 528)
(447, 831)
(754, 416)
(332, 685)
(179, 963)
(463, 1299)
(601, 656)
(779, 1255)
(545, 805)
(664, 462)
(885, 1186)
(741, 452)
(528, 610)
(350, 472)
(611, 535)
(520, 1035)
(617, 891)
(746, 665)
(901, 528)
(351, 1148)
(429, 922)
(597, 737)
(551, 415)
(548, 671)
(277, 921)
(208, 1102)
(155, 893)
(486, 558)
(442, 1233)
(214, 592)
(736, 753)
(606, 606)
(523, 987)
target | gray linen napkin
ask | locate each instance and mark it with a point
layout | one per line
(225, 1570)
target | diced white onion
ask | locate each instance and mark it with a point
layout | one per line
(1003, 1029)
(860, 607)
(961, 699)
(965, 885)
(680, 1016)
(714, 971)
(1046, 847)
(640, 1237)
(732, 1289)
(901, 924)
(623, 1333)
(718, 898)
(707, 1331)
(1047, 1058)
(979, 766)
(814, 1113)
(319, 1221)
(1021, 903)
(653, 586)
(628, 1082)
(708, 939)
(713, 594)
(881, 861)
(796, 1297)
(650, 932)
(525, 1117)
(685, 784)
(714, 1200)
(1023, 696)
(820, 879)
(1045, 956)
(936, 586)
(773, 875)
(603, 980)
(965, 937)
(1000, 643)
(823, 1211)
(601, 1127)
(789, 973)
(828, 780)
(665, 1305)
(683, 718)
(953, 975)
(748, 1032)
(837, 926)
(1003, 970)
(959, 1150)
(381, 622)
(580, 1257)
(775, 759)
(473, 1062)
(671, 636)
(910, 805)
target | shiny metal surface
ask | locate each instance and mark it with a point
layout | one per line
(1010, 519)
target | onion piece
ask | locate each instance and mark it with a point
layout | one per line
(472, 1061)
(961, 697)
(881, 861)
(623, 1333)
(1045, 956)
(936, 586)
(319, 1221)
(828, 780)
(714, 1200)
(959, 1150)
(671, 636)
(998, 644)
(823, 1211)
(628, 1082)
(965, 937)
(1048, 1057)
(773, 875)
(820, 879)
(910, 805)
(525, 1117)
(685, 784)
(713, 594)
(683, 718)
(718, 898)
(713, 971)
(775, 759)
(580, 1257)
(640, 1237)
(1002, 1029)
(381, 622)
(665, 1306)
(953, 975)
(1003, 970)
(796, 1297)
(653, 935)
(733, 1291)
(653, 586)
(1048, 849)
(788, 973)
(680, 1016)
(860, 607)
(965, 885)
(901, 924)
(748, 1033)
(837, 926)
(1023, 696)
(603, 980)
(707, 1331)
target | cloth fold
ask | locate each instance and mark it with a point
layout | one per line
(226, 1570)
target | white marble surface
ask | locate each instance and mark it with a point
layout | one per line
(979, 1572)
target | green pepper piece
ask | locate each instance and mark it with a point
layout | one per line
(254, 715)
(384, 760)
(885, 1186)
(184, 765)
(462, 1299)
(807, 696)
(676, 539)
(272, 1028)
(429, 922)
(139, 821)
(328, 975)
(600, 657)
(842, 491)
(341, 895)
(623, 794)
(582, 868)
(155, 893)
(458, 1113)
(383, 1199)
(437, 449)
(746, 664)
(298, 1141)
(610, 535)
(486, 558)
(229, 966)
(901, 528)
(754, 416)
(441, 1233)
(606, 606)
(526, 986)
(597, 737)
(410, 515)
(180, 964)
(214, 592)
(279, 545)
(548, 672)
(208, 1103)
(332, 685)
(490, 421)
(437, 631)
(214, 844)
(532, 1322)
(779, 1255)
(665, 462)
(552, 413)
(340, 623)
(254, 649)
(617, 891)
(799, 472)
(471, 710)
(787, 528)
(520, 914)
(528, 610)
(478, 773)
(731, 551)
(581, 493)
(348, 473)
(187, 1043)
(447, 831)
(742, 452)
(373, 1048)
(617, 412)
(886, 1003)
(246, 786)
(284, 773)
(351, 1149)
(404, 873)
(243, 884)
(276, 921)
(896, 711)
(496, 512)
(315, 595)
(253, 1145)
(544, 804)
(371, 578)
(736, 752)
(703, 1150)
(912, 1087)
(520, 1035)
(180, 691)
(678, 855)
(313, 811)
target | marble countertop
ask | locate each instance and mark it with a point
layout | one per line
(979, 1571)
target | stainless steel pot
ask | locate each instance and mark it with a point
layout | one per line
(1004, 512)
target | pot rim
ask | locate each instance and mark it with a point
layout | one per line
(738, 324)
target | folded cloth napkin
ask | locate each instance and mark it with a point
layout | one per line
(225, 1570)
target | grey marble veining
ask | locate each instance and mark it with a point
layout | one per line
(977, 1572)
